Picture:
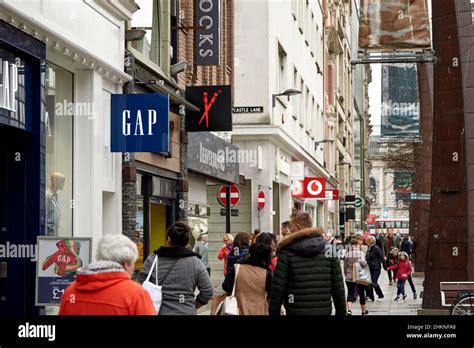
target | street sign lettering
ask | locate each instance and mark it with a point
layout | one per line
(247, 110)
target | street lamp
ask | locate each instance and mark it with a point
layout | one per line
(288, 93)
(316, 144)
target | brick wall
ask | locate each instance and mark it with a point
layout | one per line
(206, 75)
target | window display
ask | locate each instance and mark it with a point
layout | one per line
(59, 152)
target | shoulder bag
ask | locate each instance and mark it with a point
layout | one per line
(230, 306)
(154, 290)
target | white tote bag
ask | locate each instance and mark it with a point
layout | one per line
(154, 289)
(230, 306)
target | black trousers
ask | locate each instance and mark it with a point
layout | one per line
(374, 275)
(354, 290)
(412, 286)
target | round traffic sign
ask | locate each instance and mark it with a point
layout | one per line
(234, 195)
(359, 202)
(261, 200)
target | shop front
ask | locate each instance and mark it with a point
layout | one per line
(156, 209)
(213, 165)
(22, 161)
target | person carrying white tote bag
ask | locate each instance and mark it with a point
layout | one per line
(230, 306)
(154, 289)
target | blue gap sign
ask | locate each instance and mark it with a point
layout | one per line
(140, 122)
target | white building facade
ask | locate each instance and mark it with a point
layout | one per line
(80, 185)
(279, 46)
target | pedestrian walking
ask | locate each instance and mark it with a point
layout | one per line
(308, 274)
(392, 243)
(252, 278)
(375, 261)
(406, 246)
(403, 269)
(381, 242)
(105, 287)
(180, 273)
(354, 290)
(225, 250)
(239, 250)
(202, 249)
(392, 260)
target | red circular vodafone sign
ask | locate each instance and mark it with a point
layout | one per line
(234, 195)
(261, 200)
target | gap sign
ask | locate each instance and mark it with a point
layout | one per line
(139, 122)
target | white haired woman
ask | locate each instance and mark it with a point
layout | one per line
(105, 287)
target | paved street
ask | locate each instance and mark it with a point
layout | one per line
(390, 307)
(385, 307)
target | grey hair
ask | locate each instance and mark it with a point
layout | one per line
(118, 248)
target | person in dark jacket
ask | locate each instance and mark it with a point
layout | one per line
(406, 246)
(375, 261)
(392, 242)
(308, 273)
(239, 249)
(254, 280)
(180, 272)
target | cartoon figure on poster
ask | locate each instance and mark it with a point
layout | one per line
(66, 260)
(59, 259)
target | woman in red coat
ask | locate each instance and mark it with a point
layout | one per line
(105, 287)
(225, 250)
(403, 268)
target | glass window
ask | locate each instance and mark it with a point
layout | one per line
(59, 151)
(147, 18)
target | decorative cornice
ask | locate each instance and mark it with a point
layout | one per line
(63, 46)
(121, 9)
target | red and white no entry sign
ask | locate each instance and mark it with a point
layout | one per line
(234, 196)
(261, 200)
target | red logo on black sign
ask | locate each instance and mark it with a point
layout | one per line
(208, 106)
(215, 109)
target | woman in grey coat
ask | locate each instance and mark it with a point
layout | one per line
(180, 272)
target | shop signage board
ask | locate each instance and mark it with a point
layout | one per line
(8, 85)
(371, 219)
(140, 122)
(297, 170)
(213, 156)
(58, 260)
(215, 104)
(309, 188)
(207, 33)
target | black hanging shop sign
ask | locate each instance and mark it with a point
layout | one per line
(207, 39)
(215, 103)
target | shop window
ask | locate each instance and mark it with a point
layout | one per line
(60, 111)
(147, 18)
